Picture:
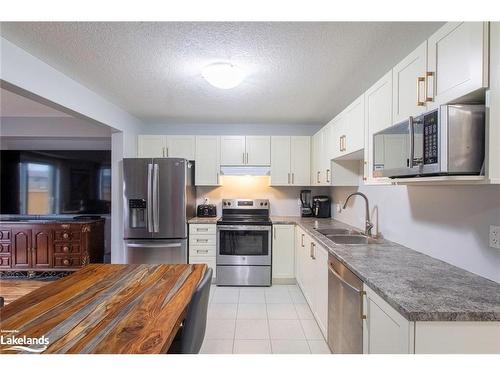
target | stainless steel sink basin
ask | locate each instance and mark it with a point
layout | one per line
(357, 239)
(338, 231)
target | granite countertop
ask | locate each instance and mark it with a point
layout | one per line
(203, 220)
(420, 287)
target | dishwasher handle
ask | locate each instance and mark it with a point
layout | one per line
(361, 293)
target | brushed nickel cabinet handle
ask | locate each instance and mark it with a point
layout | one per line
(317, 179)
(201, 240)
(202, 251)
(243, 158)
(293, 178)
(419, 81)
(288, 178)
(428, 76)
(302, 240)
(328, 175)
(202, 229)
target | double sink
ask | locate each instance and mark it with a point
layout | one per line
(348, 236)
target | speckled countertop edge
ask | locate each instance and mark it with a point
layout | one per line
(203, 220)
(478, 301)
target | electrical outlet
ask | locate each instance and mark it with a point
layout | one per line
(495, 237)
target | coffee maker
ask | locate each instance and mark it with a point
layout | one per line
(321, 206)
(305, 203)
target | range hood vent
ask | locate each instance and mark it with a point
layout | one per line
(245, 170)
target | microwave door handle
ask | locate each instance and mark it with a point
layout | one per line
(149, 206)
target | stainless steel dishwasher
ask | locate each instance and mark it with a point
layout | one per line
(345, 309)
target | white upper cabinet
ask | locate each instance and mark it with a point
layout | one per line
(321, 144)
(457, 61)
(151, 146)
(353, 137)
(258, 150)
(408, 85)
(162, 146)
(280, 160)
(207, 163)
(180, 146)
(300, 160)
(241, 150)
(290, 160)
(378, 116)
(232, 150)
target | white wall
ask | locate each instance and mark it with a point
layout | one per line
(231, 129)
(450, 223)
(284, 200)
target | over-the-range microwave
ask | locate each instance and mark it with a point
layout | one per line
(448, 140)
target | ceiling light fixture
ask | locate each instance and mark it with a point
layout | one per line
(223, 75)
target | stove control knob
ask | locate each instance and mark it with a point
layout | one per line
(265, 204)
(261, 203)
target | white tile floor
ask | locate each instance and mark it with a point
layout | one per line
(253, 320)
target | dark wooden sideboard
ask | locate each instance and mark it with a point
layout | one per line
(50, 245)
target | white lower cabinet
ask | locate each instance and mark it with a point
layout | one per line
(283, 251)
(202, 245)
(312, 276)
(385, 331)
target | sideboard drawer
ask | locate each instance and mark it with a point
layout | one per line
(67, 248)
(67, 261)
(67, 235)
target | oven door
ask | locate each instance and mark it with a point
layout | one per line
(243, 245)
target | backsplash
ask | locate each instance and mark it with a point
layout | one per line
(284, 199)
(450, 223)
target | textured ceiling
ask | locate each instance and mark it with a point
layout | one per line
(297, 72)
(13, 105)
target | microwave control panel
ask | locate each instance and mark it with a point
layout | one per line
(431, 138)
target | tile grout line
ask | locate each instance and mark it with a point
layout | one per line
(236, 319)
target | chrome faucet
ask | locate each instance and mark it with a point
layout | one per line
(368, 223)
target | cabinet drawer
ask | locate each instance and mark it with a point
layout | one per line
(67, 262)
(202, 229)
(202, 239)
(67, 248)
(67, 235)
(4, 261)
(210, 261)
(4, 247)
(202, 251)
(5, 234)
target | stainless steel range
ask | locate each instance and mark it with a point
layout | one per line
(244, 243)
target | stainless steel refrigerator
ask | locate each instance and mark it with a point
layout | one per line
(158, 199)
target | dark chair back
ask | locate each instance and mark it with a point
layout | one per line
(195, 323)
(1, 301)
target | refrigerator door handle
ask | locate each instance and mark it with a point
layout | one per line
(149, 206)
(156, 207)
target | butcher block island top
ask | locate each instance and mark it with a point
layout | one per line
(106, 308)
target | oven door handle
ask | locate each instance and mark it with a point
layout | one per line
(244, 227)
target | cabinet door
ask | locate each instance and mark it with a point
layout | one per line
(207, 165)
(258, 149)
(280, 161)
(181, 146)
(21, 248)
(327, 141)
(408, 85)
(385, 331)
(308, 276)
(42, 247)
(320, 287)
(354, 127)
(300, 160)
(378, 116)
(232, 150)
(315, 172)
(300, 252)
(457, 61)
(283, 251)
(151, 146)
(336, 132)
